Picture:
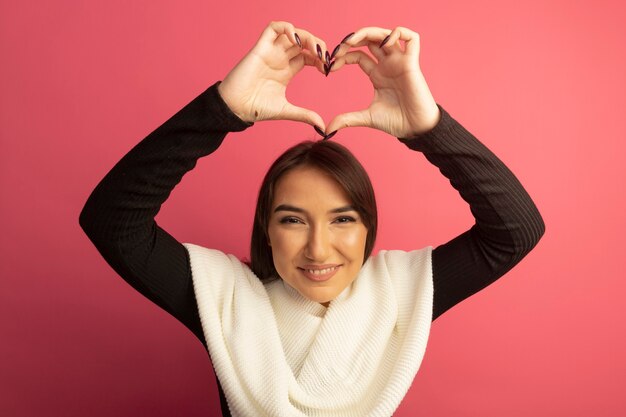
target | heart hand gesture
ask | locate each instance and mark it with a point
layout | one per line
(403, 105)
(255, 88)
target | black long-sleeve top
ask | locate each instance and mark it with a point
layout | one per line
(119, 215)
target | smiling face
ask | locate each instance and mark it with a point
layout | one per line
(316, 236)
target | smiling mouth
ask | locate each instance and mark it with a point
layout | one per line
(321, 271)
(320, 274)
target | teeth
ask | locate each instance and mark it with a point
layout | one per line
(321, 271)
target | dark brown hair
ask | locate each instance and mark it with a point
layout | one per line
(341, 165)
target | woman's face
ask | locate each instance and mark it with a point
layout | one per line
(317, 238)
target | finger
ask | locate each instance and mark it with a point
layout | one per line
(293, 52)
(391, 42)
(370, 37)
(341, 47)
(300, 114)
(309, 59)
(277, 28)
(376, 51)
(364, 36)
(314, 45)
(364, 61)
(411, 39)
(305, 58)
(387, 46)
(322, 51)
(353, 119)
(297, 63)
(282, 43)
(304, 39)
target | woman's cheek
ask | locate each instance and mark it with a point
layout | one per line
(353, 237)
(286, 240)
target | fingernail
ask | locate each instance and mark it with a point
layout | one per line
(298, 40)
(330, 135)
(319, 51)
(319, 131)
(327, 58)
(329, 68)
(346, 38)
(335, 51)
(326, 70)
(384, 41)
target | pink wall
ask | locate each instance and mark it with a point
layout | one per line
(542, 83)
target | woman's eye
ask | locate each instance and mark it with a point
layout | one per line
(345, 219)
(290, 220)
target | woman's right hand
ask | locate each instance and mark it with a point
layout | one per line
(255, 88)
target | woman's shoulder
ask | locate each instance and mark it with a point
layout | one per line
(197, 252)
(402, 268)
(208, 262)
(399, 258)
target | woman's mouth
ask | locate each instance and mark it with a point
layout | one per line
(319, 274)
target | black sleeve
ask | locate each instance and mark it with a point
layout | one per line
(508, 224)
(119, 215)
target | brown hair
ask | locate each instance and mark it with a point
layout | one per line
(340, 164)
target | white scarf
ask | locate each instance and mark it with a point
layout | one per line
(277, 353)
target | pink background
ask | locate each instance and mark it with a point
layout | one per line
(542, 83)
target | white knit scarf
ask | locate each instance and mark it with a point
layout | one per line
(277, 353)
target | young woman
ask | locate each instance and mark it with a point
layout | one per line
(315, 325)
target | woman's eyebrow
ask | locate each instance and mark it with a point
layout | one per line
(343, 209)
(288, 207)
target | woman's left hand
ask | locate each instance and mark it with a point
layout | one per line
(403, 105)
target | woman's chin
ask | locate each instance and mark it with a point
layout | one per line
(322, 297)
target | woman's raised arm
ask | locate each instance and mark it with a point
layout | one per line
(508, 224)
(119, 215)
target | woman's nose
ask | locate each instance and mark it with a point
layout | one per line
(318, 245)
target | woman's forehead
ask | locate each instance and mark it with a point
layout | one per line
(309, 186)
